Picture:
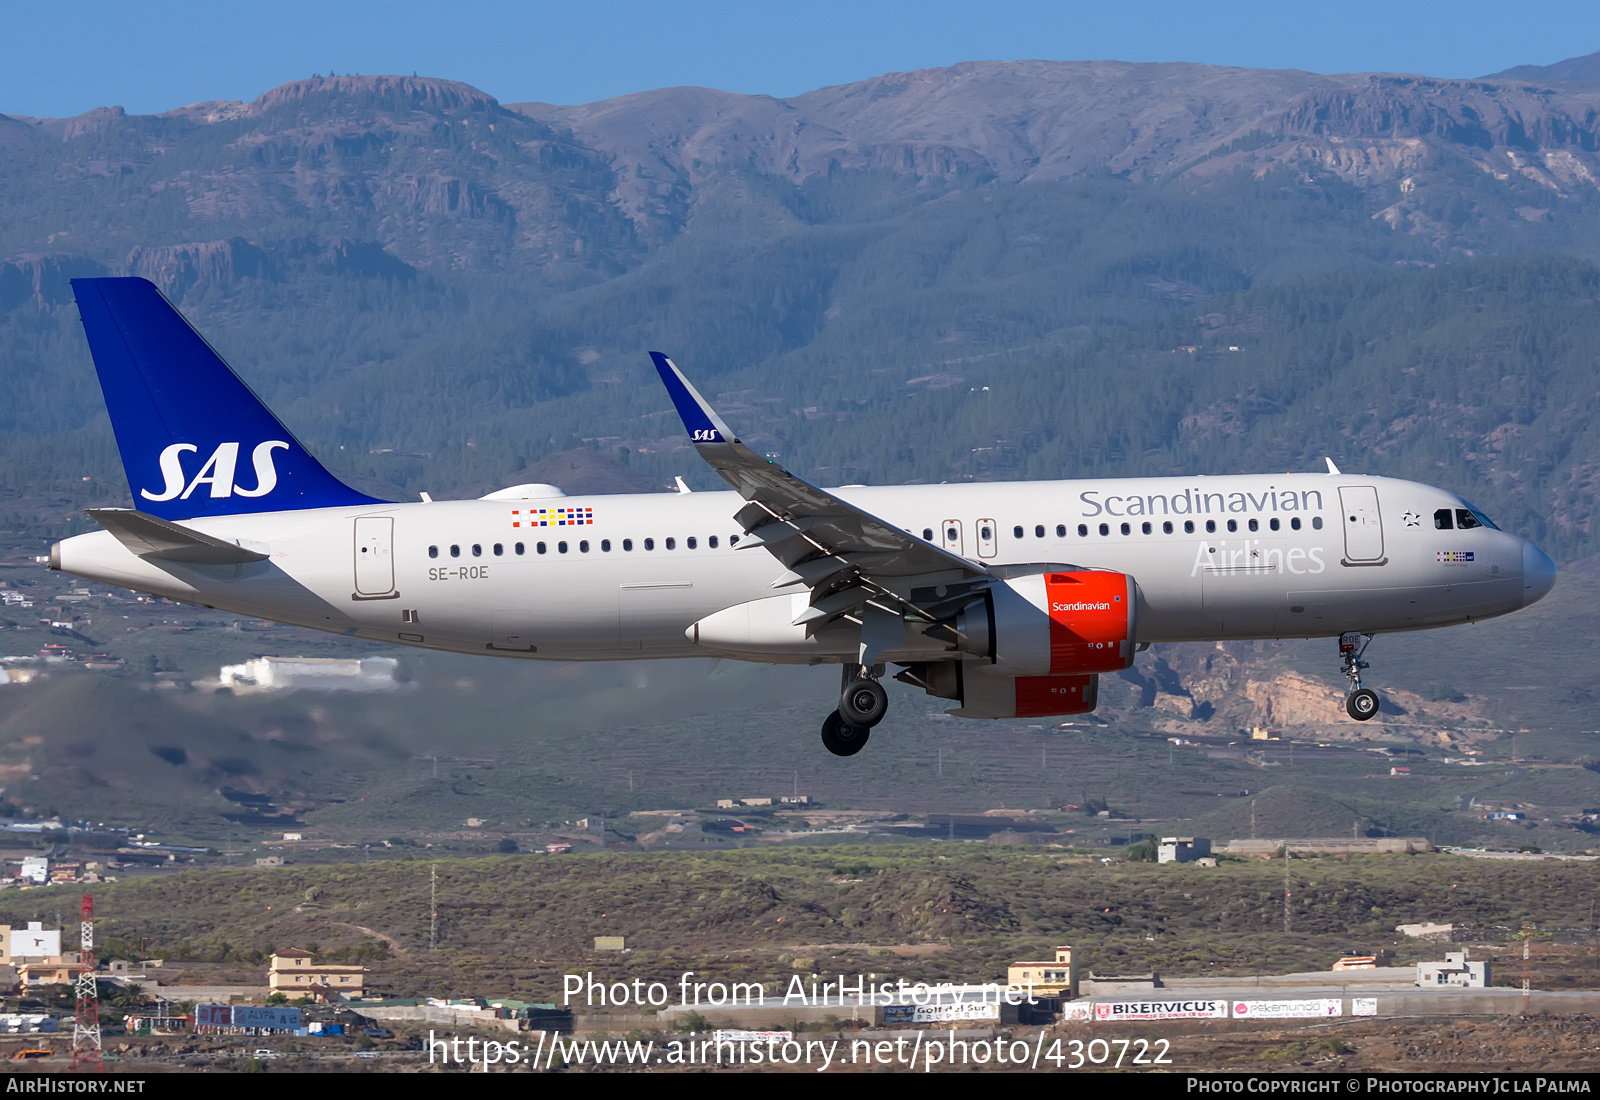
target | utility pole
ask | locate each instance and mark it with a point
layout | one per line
(1252, 819)
(941, 763)
(86, 1026)
(1527, 995)
(1286, 894)
(433, 907)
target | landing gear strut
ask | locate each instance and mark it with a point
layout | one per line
(1361, 703)
(862, 705)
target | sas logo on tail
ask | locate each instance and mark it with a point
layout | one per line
(217, 472)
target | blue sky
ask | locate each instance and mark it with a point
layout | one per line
(63, 59)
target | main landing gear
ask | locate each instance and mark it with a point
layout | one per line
(1361, 703)
(862, 705)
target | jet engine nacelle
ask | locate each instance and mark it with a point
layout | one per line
(1072, 623)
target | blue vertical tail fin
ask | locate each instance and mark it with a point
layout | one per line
(194, 440)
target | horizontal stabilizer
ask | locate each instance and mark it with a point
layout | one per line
(156, 539)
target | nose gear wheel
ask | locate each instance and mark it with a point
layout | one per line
(1360, 703)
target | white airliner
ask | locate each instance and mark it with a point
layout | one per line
(1008, 598)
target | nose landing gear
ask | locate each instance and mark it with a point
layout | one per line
(1361, 703)
(862, 705)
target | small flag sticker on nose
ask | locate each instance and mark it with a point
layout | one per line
(1455, 555)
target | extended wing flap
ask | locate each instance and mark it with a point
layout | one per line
(159, 540)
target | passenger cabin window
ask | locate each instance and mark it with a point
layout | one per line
(1273, 523)
(1145, 527)
(1294, 524)
(1233, 525)
(712, 542)
(1465, 520)
(433, 551)
(1211, 526)
(627, 544)
(538, 547)
(477, 550)
(519, 548)
(583, 547)
(561, 547)
(605, 546)
(1038, 531)
(1127, 530)
(672, 544)
(1105, 528)
(1061, 530)
(927, 534)
(690, 542)
(649, 544)
(1016, 532)
(733, 540)
(1254, 526)
(1166, 527)
(1083, 530)
(499, 550)
(1316, 523)
(1441, 520)
(455, 551)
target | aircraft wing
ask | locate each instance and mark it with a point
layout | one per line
(848, 557)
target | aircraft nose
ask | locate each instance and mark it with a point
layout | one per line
(1538, 574)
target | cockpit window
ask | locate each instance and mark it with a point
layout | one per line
(1469, 517)
(1442, 520)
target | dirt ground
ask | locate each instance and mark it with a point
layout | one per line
(1456, 1044)
(1452, 1044)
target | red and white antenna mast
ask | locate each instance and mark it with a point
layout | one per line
(86, 1028)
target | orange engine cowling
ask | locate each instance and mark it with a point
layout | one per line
(1035, 645)
(1092, 621)
(1069, 623)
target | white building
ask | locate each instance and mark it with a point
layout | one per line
(313, 674)
(33, 942)
(1454, 971)
(35, 869)
(1182, 849)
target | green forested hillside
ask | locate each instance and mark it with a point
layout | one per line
(1475, 375)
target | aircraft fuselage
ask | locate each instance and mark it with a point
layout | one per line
(620, 577)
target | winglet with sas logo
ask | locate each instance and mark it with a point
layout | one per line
(701, 420)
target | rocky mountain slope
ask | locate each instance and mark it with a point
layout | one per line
(1042, 120)
(443, 177)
